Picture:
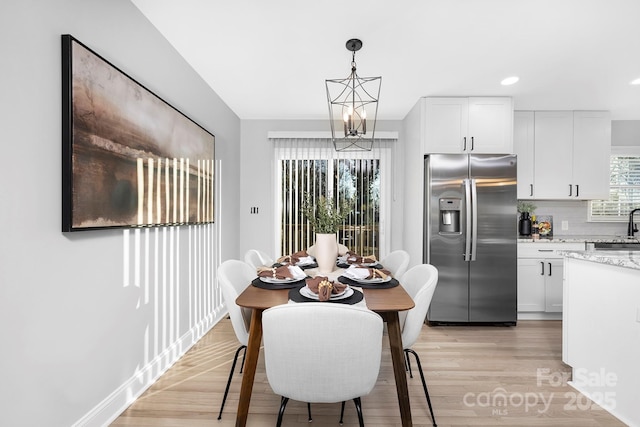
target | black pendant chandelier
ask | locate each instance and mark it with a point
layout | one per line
(353, 107)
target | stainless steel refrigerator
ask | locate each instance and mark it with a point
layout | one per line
(470, 237)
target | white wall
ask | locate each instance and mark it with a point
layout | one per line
(84, 323)
(257, 181)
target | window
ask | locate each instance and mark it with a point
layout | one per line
(624, 190)
(312, 166)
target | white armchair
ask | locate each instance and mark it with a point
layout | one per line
(396, 262)
(257, 258)
(233, 277)
(322, 339)
(420, 282)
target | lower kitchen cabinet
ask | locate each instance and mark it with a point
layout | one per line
(540, 275)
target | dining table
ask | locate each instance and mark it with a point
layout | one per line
(387, 302)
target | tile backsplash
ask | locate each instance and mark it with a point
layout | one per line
(575, 212)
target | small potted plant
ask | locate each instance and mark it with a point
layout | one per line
(525, 209)
(325, 219)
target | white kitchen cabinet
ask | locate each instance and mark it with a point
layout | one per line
(530, 285)
(553, 154)
(591, 154)
(540, 274)
(523, 147)
(570, 158)
(468, 125)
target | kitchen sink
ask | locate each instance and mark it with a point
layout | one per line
(626, 246)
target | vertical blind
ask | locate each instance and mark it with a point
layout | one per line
(624, 191)
(312, 166)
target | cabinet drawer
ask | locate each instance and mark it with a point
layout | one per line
(546, 250)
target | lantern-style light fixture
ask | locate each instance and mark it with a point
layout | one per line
(353, 107)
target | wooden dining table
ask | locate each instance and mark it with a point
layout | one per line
(386, 302)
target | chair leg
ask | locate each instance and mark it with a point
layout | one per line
(309, 411)
(341, 412)
(359, 410)
(244, 356)
(424, 383)
(233, 367)
(283, 405)
(407, 363)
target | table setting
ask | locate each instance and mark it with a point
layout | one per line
(298, 273)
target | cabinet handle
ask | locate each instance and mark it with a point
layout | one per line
(549, 269)
(531, 189)
(471, 143)
(465, 144)
(570, 190)
(577, 190)
(542, 272)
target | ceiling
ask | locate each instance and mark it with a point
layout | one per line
(269, 59)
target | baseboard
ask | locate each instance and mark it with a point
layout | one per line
(538, 315)
(111, 407)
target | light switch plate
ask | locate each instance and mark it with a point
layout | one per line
(565, 225)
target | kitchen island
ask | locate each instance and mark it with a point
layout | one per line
(601, 329)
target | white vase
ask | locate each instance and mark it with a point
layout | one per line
(326, 249)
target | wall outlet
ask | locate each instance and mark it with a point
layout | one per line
(565, 225)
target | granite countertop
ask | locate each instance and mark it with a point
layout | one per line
(628, 259)
(581, 239)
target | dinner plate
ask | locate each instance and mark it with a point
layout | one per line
(306, 292)
(274, 280)
(369, 281)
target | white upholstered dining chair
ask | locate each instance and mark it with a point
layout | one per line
(233, 277)
(420, 282)
(396, 262)
(257, 258)
(321, 353)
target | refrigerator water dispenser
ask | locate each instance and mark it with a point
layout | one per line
(449, 216)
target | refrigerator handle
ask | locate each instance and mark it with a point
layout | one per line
(467, 203)
(474, 219)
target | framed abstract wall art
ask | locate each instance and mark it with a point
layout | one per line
(129, 159)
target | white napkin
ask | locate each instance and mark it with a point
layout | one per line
(356, 273)
(306, 260)
(297, 272)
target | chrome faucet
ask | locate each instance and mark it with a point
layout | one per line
(631, 228)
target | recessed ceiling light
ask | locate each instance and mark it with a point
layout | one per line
(509, 80)
(636, 82)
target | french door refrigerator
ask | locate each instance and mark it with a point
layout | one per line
(470, 237)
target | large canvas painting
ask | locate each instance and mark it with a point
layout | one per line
(129, 158)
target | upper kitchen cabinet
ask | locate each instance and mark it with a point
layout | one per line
(563, 154)
(468, 125)
(591, 154)
(524, 148)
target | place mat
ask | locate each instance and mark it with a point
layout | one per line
(347, 265)
(296, 296)
(385, 285)
(272, 286)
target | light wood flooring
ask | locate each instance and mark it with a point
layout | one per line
(477, 376)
